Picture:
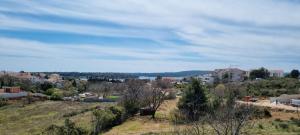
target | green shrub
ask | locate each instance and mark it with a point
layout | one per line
(68, 128)
(3, 102)
(260, 126)
(131, 107)
(295, 121)
(58, 95)
(283, 125)
(107, 118)
(260, 113)
(55, 93)
(102, 120)
(119, 113)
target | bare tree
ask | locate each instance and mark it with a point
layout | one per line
(101, 88)
(132, 96)
(229, 118)
(155, 94)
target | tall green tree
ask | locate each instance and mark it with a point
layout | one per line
(193, 103)
(262, 73)
(294, 73)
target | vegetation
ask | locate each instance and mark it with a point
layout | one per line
(193, 102)
(269, 87)
(68, 129)
(155, 95)
(107, 118)
(55, 93)
(3, 102)
(132, 96)
(259, 73)
(294, 73)
(36, 117)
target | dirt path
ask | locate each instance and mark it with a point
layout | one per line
(266, 103)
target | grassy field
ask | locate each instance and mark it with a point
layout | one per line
(34, 118)
(141, 125)
(279, 124)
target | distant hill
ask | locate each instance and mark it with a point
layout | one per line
(113, 75)
(173, 74)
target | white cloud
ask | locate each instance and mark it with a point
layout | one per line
(250, 33)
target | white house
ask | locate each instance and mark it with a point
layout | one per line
(232, 74)
(207, 78)
(276, 73)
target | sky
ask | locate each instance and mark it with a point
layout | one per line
(148, 35)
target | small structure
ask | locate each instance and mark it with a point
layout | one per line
(20, 95)
(295, 102)
(284, 99)
(86, 94)
(276, 73)
(207, 78)
(232, 74)
(250, 99)
(12, 89)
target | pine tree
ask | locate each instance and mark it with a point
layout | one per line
(194, 101)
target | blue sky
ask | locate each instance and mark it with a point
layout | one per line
(148, 35)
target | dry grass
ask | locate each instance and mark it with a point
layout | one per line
(34, 118)
(284, 115)
(140, 125)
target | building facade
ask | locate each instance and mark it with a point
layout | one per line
(230, 74)
(276, 73)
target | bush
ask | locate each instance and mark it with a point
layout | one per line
(102, 120)
(131, 108)
(3, 102)
(107, 118)
(283, 125)
(68, 128)
(259, 113)
(58, 95)
(119, 113)
(55, 93)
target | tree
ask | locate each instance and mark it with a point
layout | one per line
(193, 103)
(131, 99)
(82, 86)
(294, 73)
(229, 118)
(155, 95)
(46, 85)
(259, 73)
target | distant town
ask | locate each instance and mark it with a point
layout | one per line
(109, 102)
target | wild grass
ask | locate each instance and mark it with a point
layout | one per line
(31, 119)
